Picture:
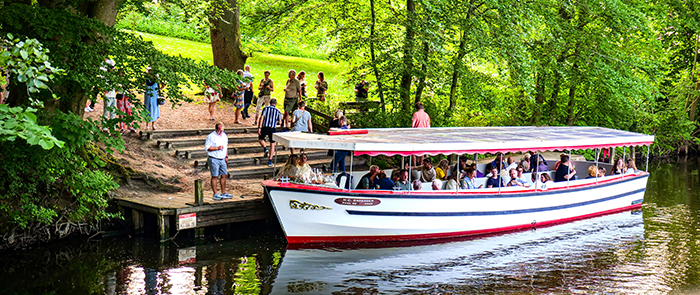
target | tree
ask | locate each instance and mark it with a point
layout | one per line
(226, 36)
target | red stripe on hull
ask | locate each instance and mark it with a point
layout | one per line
(351, 239)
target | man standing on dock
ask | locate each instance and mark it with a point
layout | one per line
(217, 148)
(269, 120)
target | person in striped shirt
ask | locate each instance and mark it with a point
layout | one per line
(270, 118)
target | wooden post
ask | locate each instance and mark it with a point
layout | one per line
(164, 227)
(137, 220)
(198, 193)
(199, 233)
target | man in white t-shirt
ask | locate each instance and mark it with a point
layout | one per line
(216, 146)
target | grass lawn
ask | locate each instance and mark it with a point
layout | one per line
(278, 65)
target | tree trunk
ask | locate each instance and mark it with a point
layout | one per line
(423, 72)
(226, 40)
(406, 75)
(457, 67)
(539, 97)
(571, 113)
(380, 90)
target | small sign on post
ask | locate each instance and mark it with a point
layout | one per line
(186, 221)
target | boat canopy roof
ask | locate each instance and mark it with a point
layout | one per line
(465, 140)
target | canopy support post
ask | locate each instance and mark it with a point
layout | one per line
(568, 170)
(537, 175)
(597, 151)
(648, 155)
(333, 163)
(410, 182)
(352, 155)
(624, 150)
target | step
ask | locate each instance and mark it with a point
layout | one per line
(233, 149)
(265, 172)
(170, 143)
(262, 160)
(175, 133)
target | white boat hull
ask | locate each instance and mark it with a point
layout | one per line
(311, 214)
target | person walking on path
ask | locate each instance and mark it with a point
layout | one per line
(321, 86)
(150, 100)
(238, 97)
(212, 96)
(269, 119)
(266, 87)
(362, 89)
(292, 95)
(248, 96)
(216, 146)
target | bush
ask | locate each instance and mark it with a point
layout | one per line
(40, 185)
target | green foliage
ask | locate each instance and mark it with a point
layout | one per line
(18, 122)
(40, 185)
(166, 20)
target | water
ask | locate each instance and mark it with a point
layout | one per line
(652, 251)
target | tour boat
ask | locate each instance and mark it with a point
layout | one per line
(310, 213)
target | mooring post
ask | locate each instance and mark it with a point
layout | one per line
(137, 220)
(198, 193)
(164, 227)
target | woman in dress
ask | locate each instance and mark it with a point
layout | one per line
(212, 96)
(321, 86)
(150, 100)
(238, 99)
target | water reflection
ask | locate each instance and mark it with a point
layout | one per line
(650, 252)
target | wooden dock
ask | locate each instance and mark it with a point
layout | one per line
(175, 212)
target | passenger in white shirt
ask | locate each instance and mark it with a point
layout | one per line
(216, 146)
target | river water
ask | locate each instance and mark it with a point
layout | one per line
(652, 251)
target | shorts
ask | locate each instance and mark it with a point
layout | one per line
(290, 103)
(266, 131)
(217, 167)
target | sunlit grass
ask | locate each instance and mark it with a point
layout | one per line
(278, 65)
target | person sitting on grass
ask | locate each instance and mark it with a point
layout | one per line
(216, 146)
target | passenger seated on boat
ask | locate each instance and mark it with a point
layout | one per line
(511, 163)
(488, 169)
(395, 175)
(437, 184)
(381, 181)
(417, 185)
(592, 172)
(402, 183)
(427, 172)
(525, 162)
(522, 177)
(366, 182)
(459, 166)
(630, 166)
(498, 162)
(495, 179)
(290, 168)
(478, 173)
(470, 179)
(514, 180)
(602, 171)
(304, 168)
(546, 180)
(618, 167)
(441, 169)
(565, 171)
(536, 180)
(451, 182)
(535, 166)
